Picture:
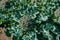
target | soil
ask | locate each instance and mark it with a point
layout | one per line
(2, 3)
(3, 35)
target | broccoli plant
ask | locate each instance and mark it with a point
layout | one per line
(31, 19)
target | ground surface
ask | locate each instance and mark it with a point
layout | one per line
(2, 3)
(3, 35)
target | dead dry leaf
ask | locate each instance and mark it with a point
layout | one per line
(57, 13)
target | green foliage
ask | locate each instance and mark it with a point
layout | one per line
(41, 12)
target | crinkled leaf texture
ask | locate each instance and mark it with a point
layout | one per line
(43, 24)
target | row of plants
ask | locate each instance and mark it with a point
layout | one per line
(31, 19)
